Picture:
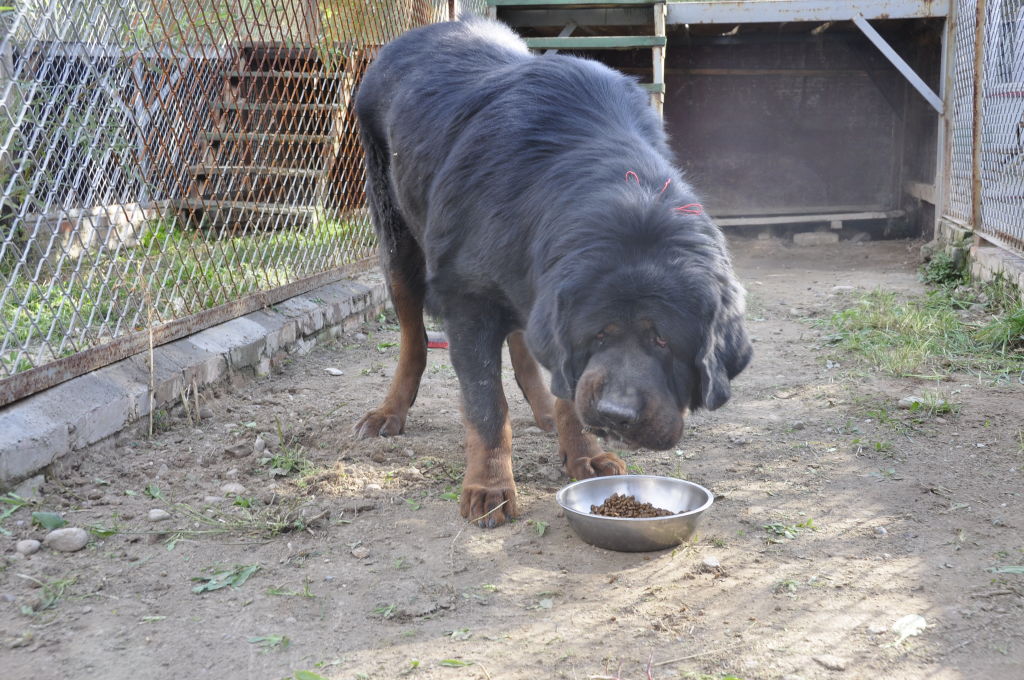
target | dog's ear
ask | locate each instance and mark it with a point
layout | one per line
(727, 349)
(547, 339)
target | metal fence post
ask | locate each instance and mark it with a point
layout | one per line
(977, 125)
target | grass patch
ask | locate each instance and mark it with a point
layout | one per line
(926, 336)
(174, 271)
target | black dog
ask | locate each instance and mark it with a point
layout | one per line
(514, 192)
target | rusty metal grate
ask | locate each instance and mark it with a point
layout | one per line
(165, 165)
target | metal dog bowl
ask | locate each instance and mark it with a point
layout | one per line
(641, 534)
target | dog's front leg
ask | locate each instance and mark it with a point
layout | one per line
(581, 454)
(488, 489)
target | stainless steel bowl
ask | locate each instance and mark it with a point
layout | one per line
(635, 535)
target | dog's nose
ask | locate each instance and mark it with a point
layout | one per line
(618, 413)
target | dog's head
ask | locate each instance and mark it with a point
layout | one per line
(641, 330)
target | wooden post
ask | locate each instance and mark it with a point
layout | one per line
(658, 57)
(976, 122)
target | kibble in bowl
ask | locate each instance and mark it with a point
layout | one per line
(601, 513)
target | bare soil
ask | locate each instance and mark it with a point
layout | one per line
(834, 519)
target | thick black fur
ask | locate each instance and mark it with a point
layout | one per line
(497, 180)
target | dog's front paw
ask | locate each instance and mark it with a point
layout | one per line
(601, 465)
(488, 506)
(379, 423)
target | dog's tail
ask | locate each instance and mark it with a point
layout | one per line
(390, 225)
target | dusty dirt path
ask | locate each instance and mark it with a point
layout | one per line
(393, 583)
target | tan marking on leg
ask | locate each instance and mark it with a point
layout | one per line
(488, 487)
(531, 382)
(580, 451)
(389, 418)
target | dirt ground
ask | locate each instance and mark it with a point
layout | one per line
(381, 578)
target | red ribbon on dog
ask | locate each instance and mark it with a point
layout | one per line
(691, 209)
(688, 209)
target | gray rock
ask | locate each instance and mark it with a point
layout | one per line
(359, 337)
(815, 238)
(68, 539)
(272, 440)
(205, 412)
(533, 429)
(360, 552)
(232, 489)
(232, 473)
(910, 401)
(797, 425)
(29, 489)
(239, 450)
(27, 546)
(711, 563)
(94, 495)
(158, 515)
(260, 445)
(378, 457)
(831, 662)
(881, 531)
(213, 500)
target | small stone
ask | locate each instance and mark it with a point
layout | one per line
(68, 539)
(910, 402)
(408, 453)
(378, 457)
(860, 237)
(30, 488)
(334, 371)
(158, 515)
(213, 500)
(831, 662)
(232, 489)
(163, 470)
(551, 473)
(797, 425)
(94, 495)
(205, 412)
(881, 531)
(27, 546)
(260, 445)
(878, 628)
(232, 473)
(815, 238)
(372, 490)
(359, 337)
(842, 289)
(533, 429)
(272, 440)
(8, 598)
(360, 552)
(711, 563)
(238, 451)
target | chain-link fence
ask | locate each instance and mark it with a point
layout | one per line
(167, 164)
(985, 170)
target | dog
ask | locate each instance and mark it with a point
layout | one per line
(534, 199)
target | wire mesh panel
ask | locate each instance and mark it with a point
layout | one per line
(961, 114)
(1002, 154)
(163, 161)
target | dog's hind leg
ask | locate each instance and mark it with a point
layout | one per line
(531, 382)
(403, 264)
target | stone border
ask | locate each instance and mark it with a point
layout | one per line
(985, 260)
(37, 430)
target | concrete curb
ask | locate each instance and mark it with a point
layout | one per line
(37, 430)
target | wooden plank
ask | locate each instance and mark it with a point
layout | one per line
(275, 106)
(595, 16)
(901, 65)
(213, 205)
(739, 11)
(653, 88)
(564, 3)
(294, 75)
(253, 170)
(264, 137)
(799, 219)
(623, 42)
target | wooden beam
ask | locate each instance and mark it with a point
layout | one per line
(800, 219)
(902, 66)
(597, 42)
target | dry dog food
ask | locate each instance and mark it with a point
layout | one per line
(618, 505)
